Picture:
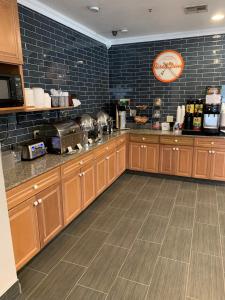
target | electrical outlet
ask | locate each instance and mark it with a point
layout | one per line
(36, 134)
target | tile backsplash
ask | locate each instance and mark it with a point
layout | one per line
(131, 74)
(52, 50)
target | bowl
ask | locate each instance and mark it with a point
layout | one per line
(141, 119)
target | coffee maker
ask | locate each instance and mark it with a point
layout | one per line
(211, 121)
(120, 113)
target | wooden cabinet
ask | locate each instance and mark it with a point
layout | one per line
(121, 159)
(10, 40)
(49, 213)
(35, 222)
(111, 167)
(135, 156)
(167, 159)
(101, 175)
(88, 184)
(209, 163)
(176, 160)
(25, 231)
(71, 190)
(144, 157)
(201, 163)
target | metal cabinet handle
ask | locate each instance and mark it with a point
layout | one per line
(212, 143)
(35, 186)
(175, 141)
(83, 173)
(107, 158)
(213, 152)
(142, 146)
(117, 151)
(174, 149)
(210, 151)
(145, 146)
(81, 162)
(39, 201)
(177, 149)
(143, 139)
(107, 148)
(35, 203)
(80, 174)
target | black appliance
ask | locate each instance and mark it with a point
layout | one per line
(11, 91)
(211, 121)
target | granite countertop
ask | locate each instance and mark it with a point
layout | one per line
(26, 170)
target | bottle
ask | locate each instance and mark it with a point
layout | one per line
(197, 118)
(188, 121)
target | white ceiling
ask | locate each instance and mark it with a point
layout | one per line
(167, 17)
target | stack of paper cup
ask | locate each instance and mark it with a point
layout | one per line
(29, 97)
(39, 100)
(48, 102)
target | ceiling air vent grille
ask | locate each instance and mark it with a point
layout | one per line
(196, 9)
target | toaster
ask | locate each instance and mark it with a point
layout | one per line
(32, 149)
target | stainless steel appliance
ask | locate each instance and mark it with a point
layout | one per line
(33, 149)
(211, 121)
(11, 91)
(58, 137)
(104, 124)
(88, 127)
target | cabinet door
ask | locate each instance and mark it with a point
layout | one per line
(135, 156)
(167, 159)
(121, 159)
(151, 158)
(10, 41)
(71, 192)
(49, 213)
(201, 163)
(111, 167)
(88, 184)
(217, 165)
(184, 161)
(101, 175)
(24, 230)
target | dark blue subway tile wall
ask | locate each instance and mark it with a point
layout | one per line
(131, 76)
(51, 51)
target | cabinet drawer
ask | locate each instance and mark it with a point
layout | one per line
(104, 149)
(76, 164)
(210, 142)
(30, 188)
(139, 138)
(120, 140)
(169, 140)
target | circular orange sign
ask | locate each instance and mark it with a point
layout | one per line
(168, 66)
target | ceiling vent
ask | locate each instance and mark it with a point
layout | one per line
(196, 9)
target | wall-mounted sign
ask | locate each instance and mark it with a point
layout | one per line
(168, 66)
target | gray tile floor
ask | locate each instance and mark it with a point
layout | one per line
(145, 238)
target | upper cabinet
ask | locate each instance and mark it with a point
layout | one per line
(10, 40)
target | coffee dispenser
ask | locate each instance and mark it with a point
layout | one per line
(120, 109)
(211, 121)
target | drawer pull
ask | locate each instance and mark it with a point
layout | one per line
(174, 149)
(80, 174)
(213, 152)
(145, 146)
(212, 143)
(39, 201)
(210, 152)
(35, 186)
(107, 158)
(177, 149)
(107, 148)
(83, 173)
(143, 139)
(175, 141)
(81, 162)
(35, 203)
(117, 151)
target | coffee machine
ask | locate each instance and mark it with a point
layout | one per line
(119, 113)
(211, 121)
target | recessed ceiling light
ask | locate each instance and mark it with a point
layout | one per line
(94, 8)
(124, 30)
(218, 17)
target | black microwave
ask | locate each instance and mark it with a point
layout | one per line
(11, 91)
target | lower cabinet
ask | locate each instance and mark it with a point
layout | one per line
(101, 175)
(209, 163)
(121, 159)
(176, 160)
(35, 222)
(71, 191)
(144, 157)
(88, 184)
(111, 167)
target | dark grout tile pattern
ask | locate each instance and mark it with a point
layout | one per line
(144, 238)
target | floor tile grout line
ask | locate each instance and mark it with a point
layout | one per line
(90, 288)
(169, 219)
(33, 269)
(176, 260)
(190, 253)
(132, 280)
(128, 253)
(221, 247)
